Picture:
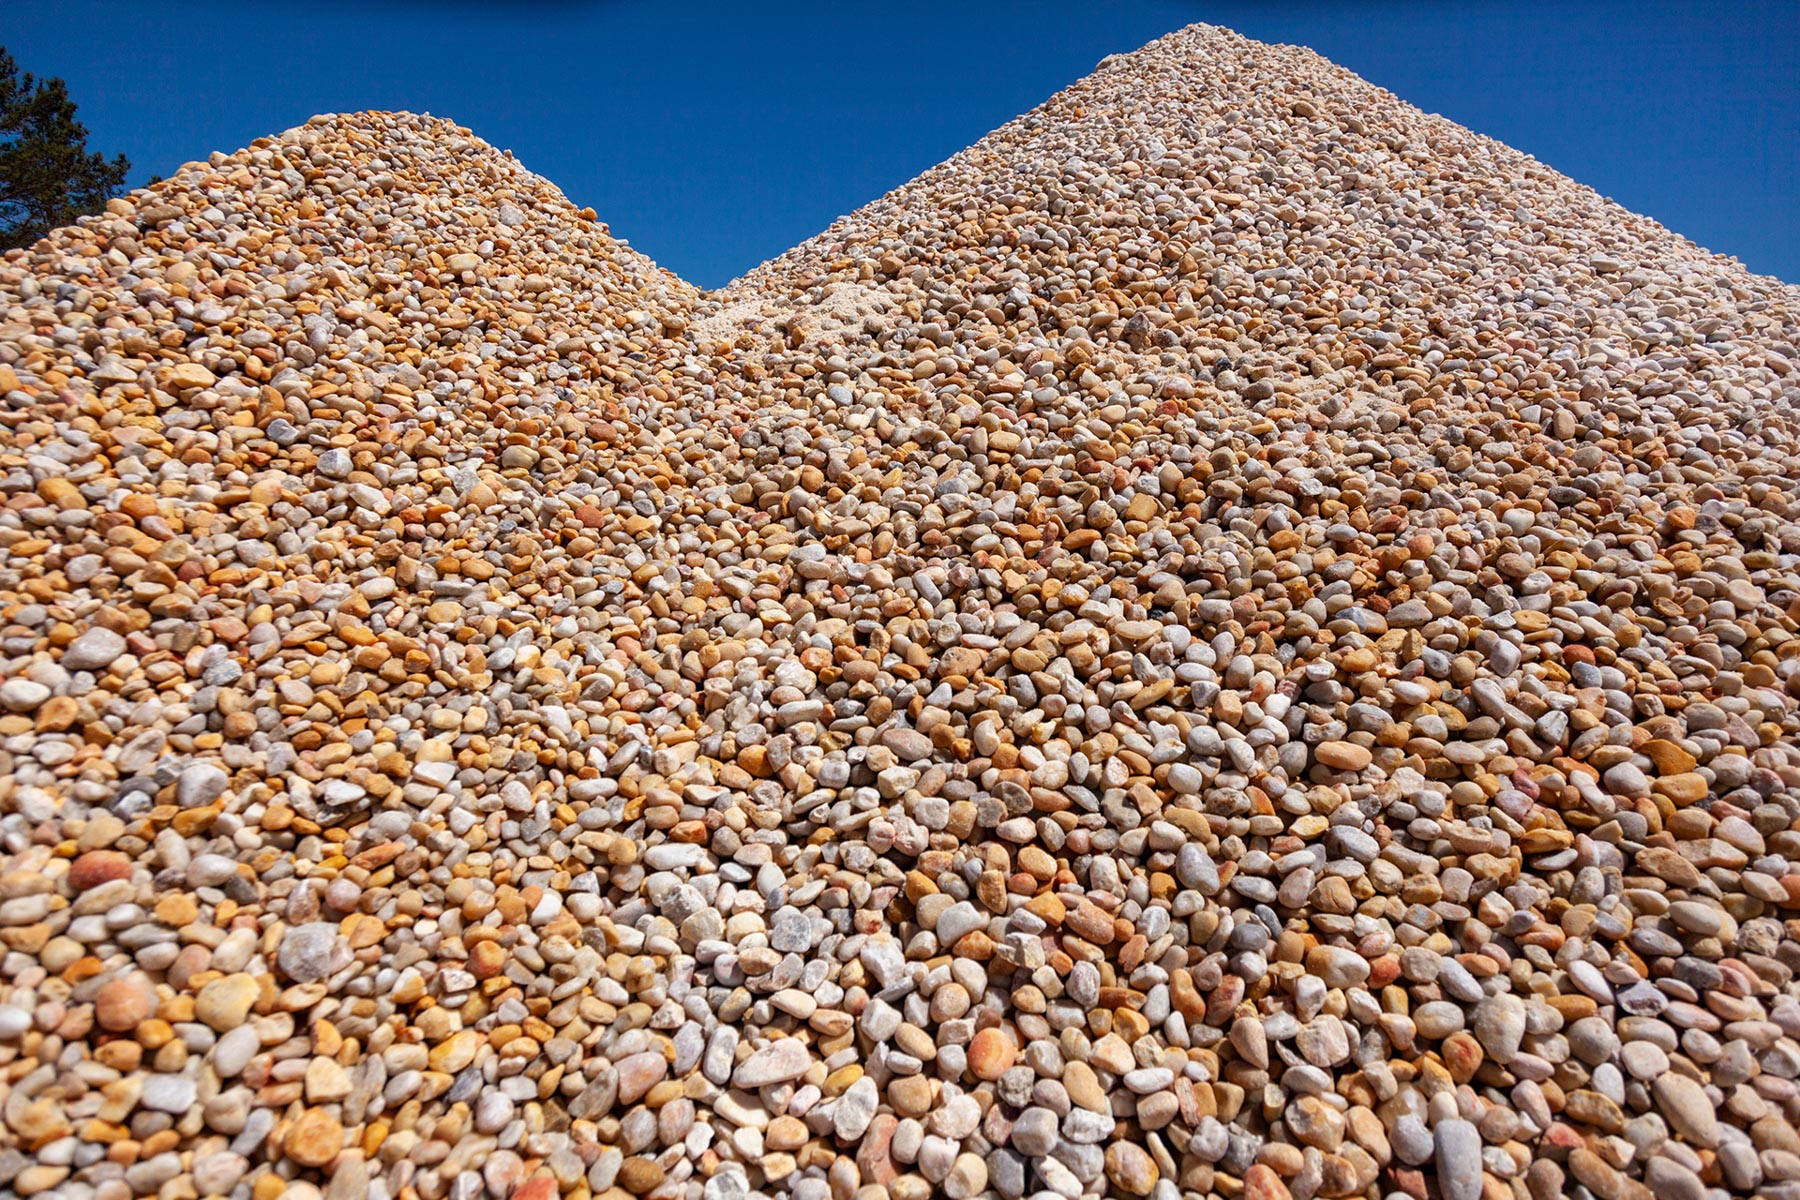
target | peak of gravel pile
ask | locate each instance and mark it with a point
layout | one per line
(1234, 639)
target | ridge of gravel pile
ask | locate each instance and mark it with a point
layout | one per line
(1234, 639)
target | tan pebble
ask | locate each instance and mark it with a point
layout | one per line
(1343, 756)
(990, 1054)
(225, 1003)
(122, 1004)
(1130, 1169)
(640, 1175)
(315, 1138)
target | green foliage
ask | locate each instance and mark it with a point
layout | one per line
(48, 177)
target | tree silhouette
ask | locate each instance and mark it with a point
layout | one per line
(48, 177)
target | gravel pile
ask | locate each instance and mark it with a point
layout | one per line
(1235, 639)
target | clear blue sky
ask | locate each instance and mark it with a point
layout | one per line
(712, 136)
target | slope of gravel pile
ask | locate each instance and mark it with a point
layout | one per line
(1234, 639)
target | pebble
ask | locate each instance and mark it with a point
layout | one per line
(94, 650)
(967, 1177)
(1234, 639)
(1457, 1157)
(122, 1004)
(777, 1063)
(856, 1108)
(1337, 967)
(225, 1003)
(1690, 1112)
(308, 952)
(957, 921)
(1130, 1168)
(638, 1073)
(1035, 1132)
(168, 1093)
(991, 1054)
(1344, 756)
(22, 695)
(234, 1050)
(1499, 1023)
(315, 1139)
(219, 1172)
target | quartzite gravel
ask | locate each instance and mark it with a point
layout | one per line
(1235, 639)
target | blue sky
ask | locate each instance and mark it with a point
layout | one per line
(713, 136)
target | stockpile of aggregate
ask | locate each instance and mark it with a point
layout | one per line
(1234, 639)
